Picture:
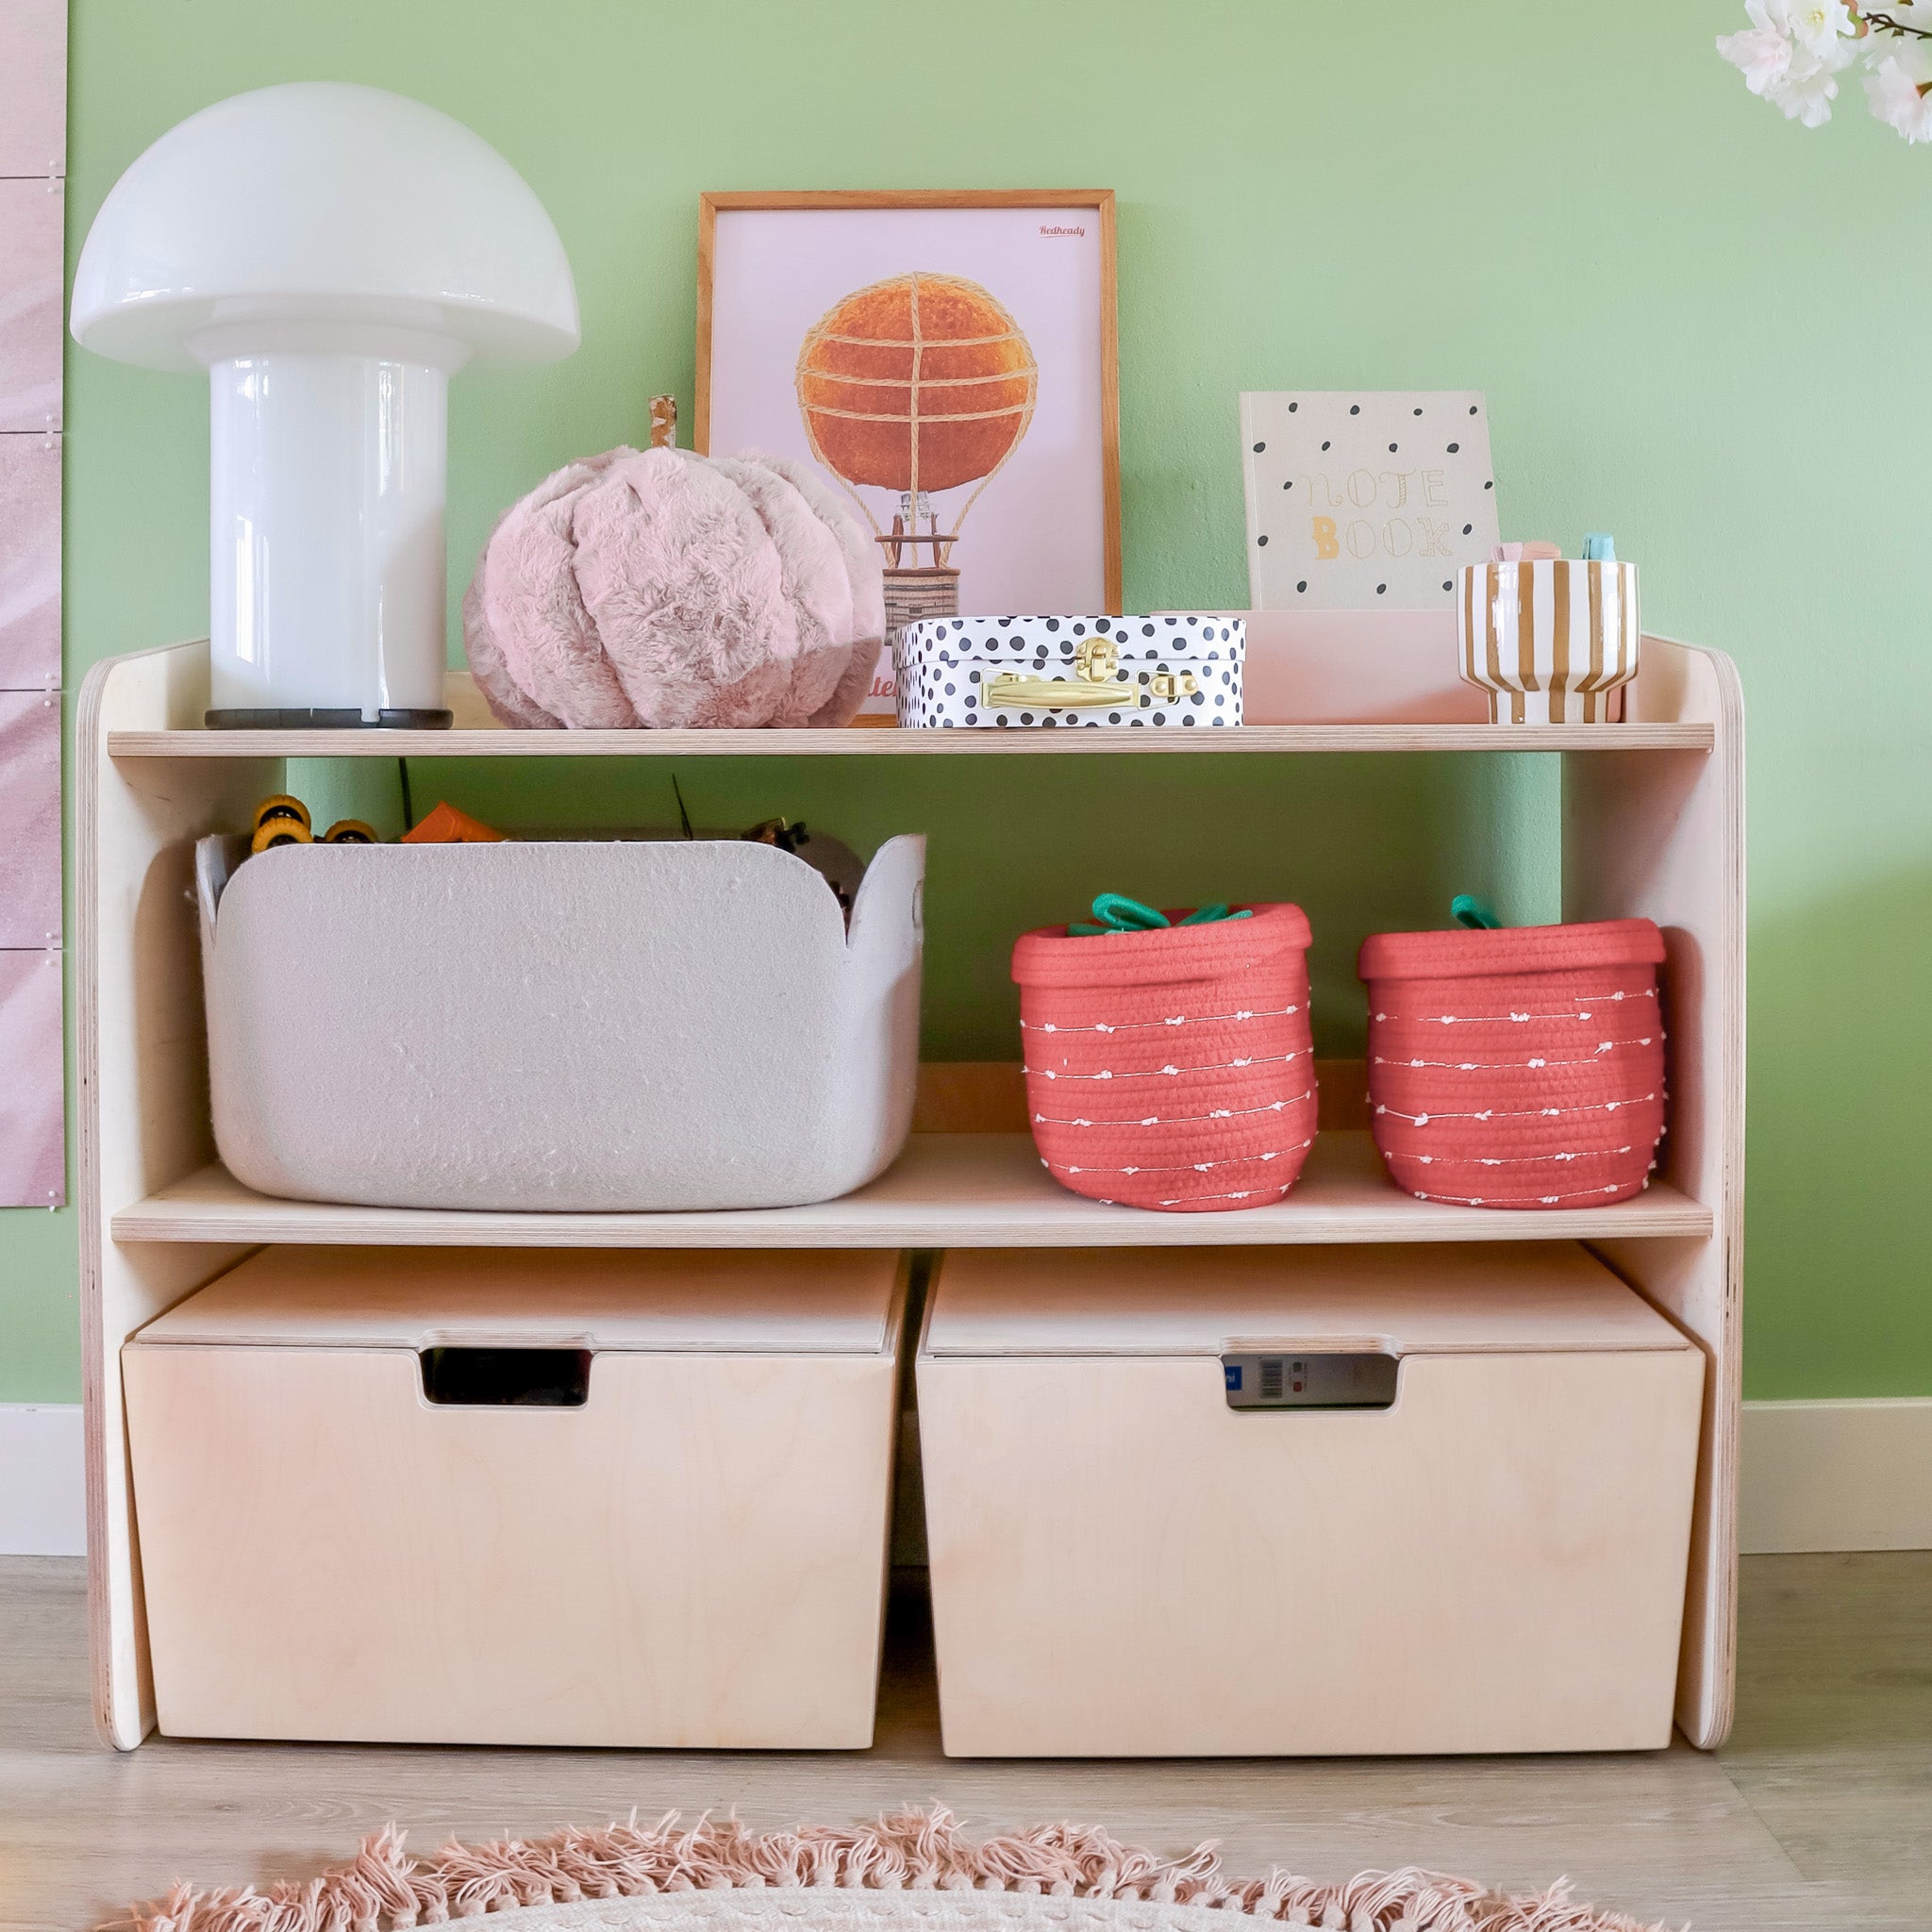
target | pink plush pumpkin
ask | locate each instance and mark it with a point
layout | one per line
(659, 587)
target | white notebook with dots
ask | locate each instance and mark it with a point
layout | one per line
(1365, 500)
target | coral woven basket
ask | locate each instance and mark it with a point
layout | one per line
(1171, 1069)
(1521, 1068)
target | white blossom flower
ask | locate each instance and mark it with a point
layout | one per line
(1893, 88)
(1818, 25)
(1808, 89)
(1762, 53)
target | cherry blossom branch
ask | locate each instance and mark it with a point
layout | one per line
(1794, 51)
(1888, 24)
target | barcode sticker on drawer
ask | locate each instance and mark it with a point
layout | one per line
(1363, 1379)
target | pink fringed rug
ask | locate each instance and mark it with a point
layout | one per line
(914, 1872)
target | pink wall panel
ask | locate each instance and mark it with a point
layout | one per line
(33, 164)
(30, 299)
(29, 561)
(29, 819)
(33, 87)
(33, 1154)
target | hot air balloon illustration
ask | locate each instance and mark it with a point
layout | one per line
(916, 386)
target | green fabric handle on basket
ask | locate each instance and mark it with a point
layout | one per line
(1116, 912)
(1467, 909)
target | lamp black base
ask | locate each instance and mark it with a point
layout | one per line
(300, 719)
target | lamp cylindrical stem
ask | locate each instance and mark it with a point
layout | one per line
(326, 529)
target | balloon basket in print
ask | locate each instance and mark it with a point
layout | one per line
(1171, 1069)
(1521, 1068)
(913, 593)
(1552, 641)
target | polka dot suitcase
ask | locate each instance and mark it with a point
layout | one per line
(980, 672)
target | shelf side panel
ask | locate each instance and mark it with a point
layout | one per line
(143, 1090)
(1663, 837)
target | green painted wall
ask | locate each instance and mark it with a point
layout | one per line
(1697, 326)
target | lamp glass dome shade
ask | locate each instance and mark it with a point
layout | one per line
(330, 255)
(324, 203)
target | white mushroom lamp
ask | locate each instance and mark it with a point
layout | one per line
(331, 254)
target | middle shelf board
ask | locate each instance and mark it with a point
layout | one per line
(960, 1191)
(890, 742)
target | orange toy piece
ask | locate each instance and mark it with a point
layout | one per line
(446, 825)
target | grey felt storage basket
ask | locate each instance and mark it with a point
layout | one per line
(619, 1026)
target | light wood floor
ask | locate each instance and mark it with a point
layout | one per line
(1818, 1814)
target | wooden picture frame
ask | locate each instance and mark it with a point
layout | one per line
(1099, 201)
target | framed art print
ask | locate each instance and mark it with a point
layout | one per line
(1365, 500)
(947, 359)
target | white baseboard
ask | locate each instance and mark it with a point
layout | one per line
(42, 1484)
(1816, 1475)
(1837, 1476)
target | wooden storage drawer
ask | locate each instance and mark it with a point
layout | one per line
(691, 1556)
(1124, 1564)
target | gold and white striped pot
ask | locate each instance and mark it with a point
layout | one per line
(1549, 640)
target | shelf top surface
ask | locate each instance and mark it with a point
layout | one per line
(890, 742)
(978, 1191)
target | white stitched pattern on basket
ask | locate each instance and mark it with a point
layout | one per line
(1259, 1059)
(1512, 1066)
(1523, 1200)
(1527, 1113)
(1242, 1194)
(1196, 1200)
(1184, 1166)
(1178, 1020)
(1180, 1120)
(1595, 999)
(1507, 1159)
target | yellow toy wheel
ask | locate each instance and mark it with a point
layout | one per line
(272, 832)
(281, 806)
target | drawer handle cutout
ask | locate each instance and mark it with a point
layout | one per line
(1361, 1378)
(506, 1378)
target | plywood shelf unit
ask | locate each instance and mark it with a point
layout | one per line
(1652, 826)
